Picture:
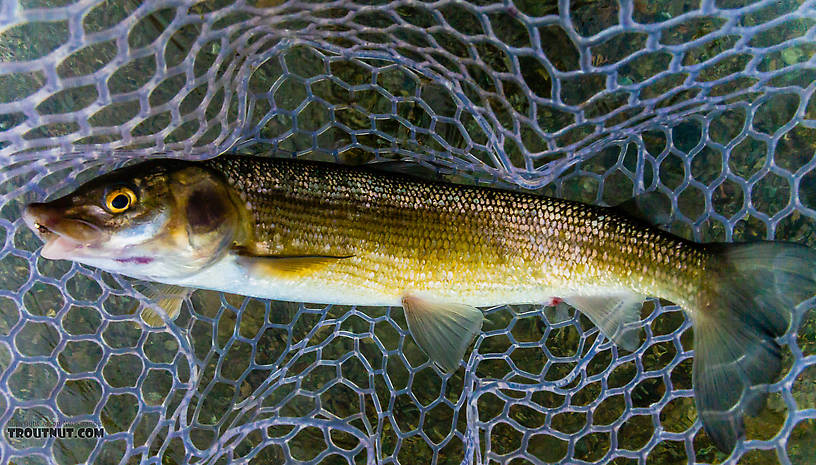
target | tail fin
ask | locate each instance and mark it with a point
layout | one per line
(754, 288)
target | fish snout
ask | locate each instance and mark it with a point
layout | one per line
(41, 219)
(63, 237)
(48, 221)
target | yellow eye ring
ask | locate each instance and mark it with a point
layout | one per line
(119, 200)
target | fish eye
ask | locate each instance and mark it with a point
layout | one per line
(119, 200)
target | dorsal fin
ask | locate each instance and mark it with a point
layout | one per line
(653, 208)
(407, 167)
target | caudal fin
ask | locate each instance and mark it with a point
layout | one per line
(753, 289)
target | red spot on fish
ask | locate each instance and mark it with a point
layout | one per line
(553, 301)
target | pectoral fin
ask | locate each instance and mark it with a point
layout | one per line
(443, 331)
(166, 296)
(289, 266)
(615, 315)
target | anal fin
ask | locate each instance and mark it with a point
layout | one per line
(443, 331)
(615, 315)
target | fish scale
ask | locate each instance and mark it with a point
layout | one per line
(487, 244)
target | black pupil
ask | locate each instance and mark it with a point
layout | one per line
(120, 201)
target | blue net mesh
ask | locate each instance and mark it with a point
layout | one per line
(709, 102)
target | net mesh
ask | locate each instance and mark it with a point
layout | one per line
(709, 102)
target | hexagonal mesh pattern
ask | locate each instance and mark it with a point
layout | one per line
(707, 101)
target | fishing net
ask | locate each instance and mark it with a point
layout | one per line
(709, 102)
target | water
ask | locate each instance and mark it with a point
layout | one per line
(714, 109)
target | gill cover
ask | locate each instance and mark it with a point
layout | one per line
(207, 218)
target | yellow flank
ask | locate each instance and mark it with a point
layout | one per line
(473, 245)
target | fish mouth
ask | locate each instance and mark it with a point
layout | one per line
(63, 237)
(43, 232)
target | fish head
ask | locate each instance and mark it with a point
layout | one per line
(155, 220)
